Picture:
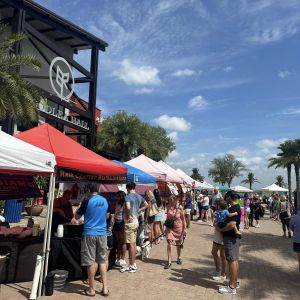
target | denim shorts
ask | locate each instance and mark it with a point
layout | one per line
(296, 247)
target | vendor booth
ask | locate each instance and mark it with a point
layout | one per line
(75, 163)
(18, 158)
(241, 189)
(274, 188)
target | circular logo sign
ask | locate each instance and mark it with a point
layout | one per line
(61, 78)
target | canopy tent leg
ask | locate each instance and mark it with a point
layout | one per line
(47, 235)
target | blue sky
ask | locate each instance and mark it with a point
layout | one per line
(220, 76)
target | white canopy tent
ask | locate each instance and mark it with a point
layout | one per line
(274, 188)
(241, 189)
(19, 157)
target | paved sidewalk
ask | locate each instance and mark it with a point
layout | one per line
(268, 270)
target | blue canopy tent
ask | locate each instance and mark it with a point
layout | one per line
(136, 175)
(223, 188)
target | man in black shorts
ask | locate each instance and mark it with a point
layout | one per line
(231, 243)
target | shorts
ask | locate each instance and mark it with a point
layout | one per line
(206, 207)
(247, 211)
(93, 249)
(159, 217)
(119, 225)
(187, 211)
(130, 231)
(296, 247)
(218, 238)
(232, 248)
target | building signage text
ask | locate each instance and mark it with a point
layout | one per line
(60, 115)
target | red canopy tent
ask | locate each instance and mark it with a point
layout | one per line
(68, 153)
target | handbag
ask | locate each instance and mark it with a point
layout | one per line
(169, 223)
(153, 210)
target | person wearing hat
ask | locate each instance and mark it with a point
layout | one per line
(231, 242)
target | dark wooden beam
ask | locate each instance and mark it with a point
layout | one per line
(54, 48)
(79, 45)
(82, 80)
(93, 96)
(66, 38)
(47, 30)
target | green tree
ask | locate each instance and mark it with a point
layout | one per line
(196, 175)
(250, 180)
(18, 97)
(225, 169)
(285, 159)
(280, 181)
(128, 136)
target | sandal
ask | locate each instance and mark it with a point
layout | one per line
(168, 266)
(104, 294)
(179, 261)
(87, 293)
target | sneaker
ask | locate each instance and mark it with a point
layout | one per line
(257, 226)
(122, 262)
(214, 273)
(227, 290)
(211, 225)
(200, 221)
(129, 269)
(237, 284)
(117, 263)
(219, 278)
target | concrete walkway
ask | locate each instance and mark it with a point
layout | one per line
(268, 270)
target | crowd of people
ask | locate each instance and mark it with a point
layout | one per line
(135, 223)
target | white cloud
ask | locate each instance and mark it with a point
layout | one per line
(268, 143)
(173, 135)
(292, 111)
(134, 75)
(143, 91)
(173, 123)
(173, 154)
(197, 103)
(228, 69)
(184, 73)
(283, 74)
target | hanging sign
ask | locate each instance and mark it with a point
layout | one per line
(18, 186)
(66, 175)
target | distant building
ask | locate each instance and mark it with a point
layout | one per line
(55, 42)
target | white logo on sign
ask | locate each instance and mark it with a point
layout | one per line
(59, 86)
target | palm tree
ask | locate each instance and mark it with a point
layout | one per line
(120, 133)
(285, 159)
(250, 180)
(18, 97)
(280, 181)
(225, 168)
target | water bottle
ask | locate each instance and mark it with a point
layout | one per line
(60, 231)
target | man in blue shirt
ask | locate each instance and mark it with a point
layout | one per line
(94, 240)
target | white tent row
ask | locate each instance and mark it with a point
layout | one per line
(274, 188)
(241, 189)
(19, 157)
(198, 185)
